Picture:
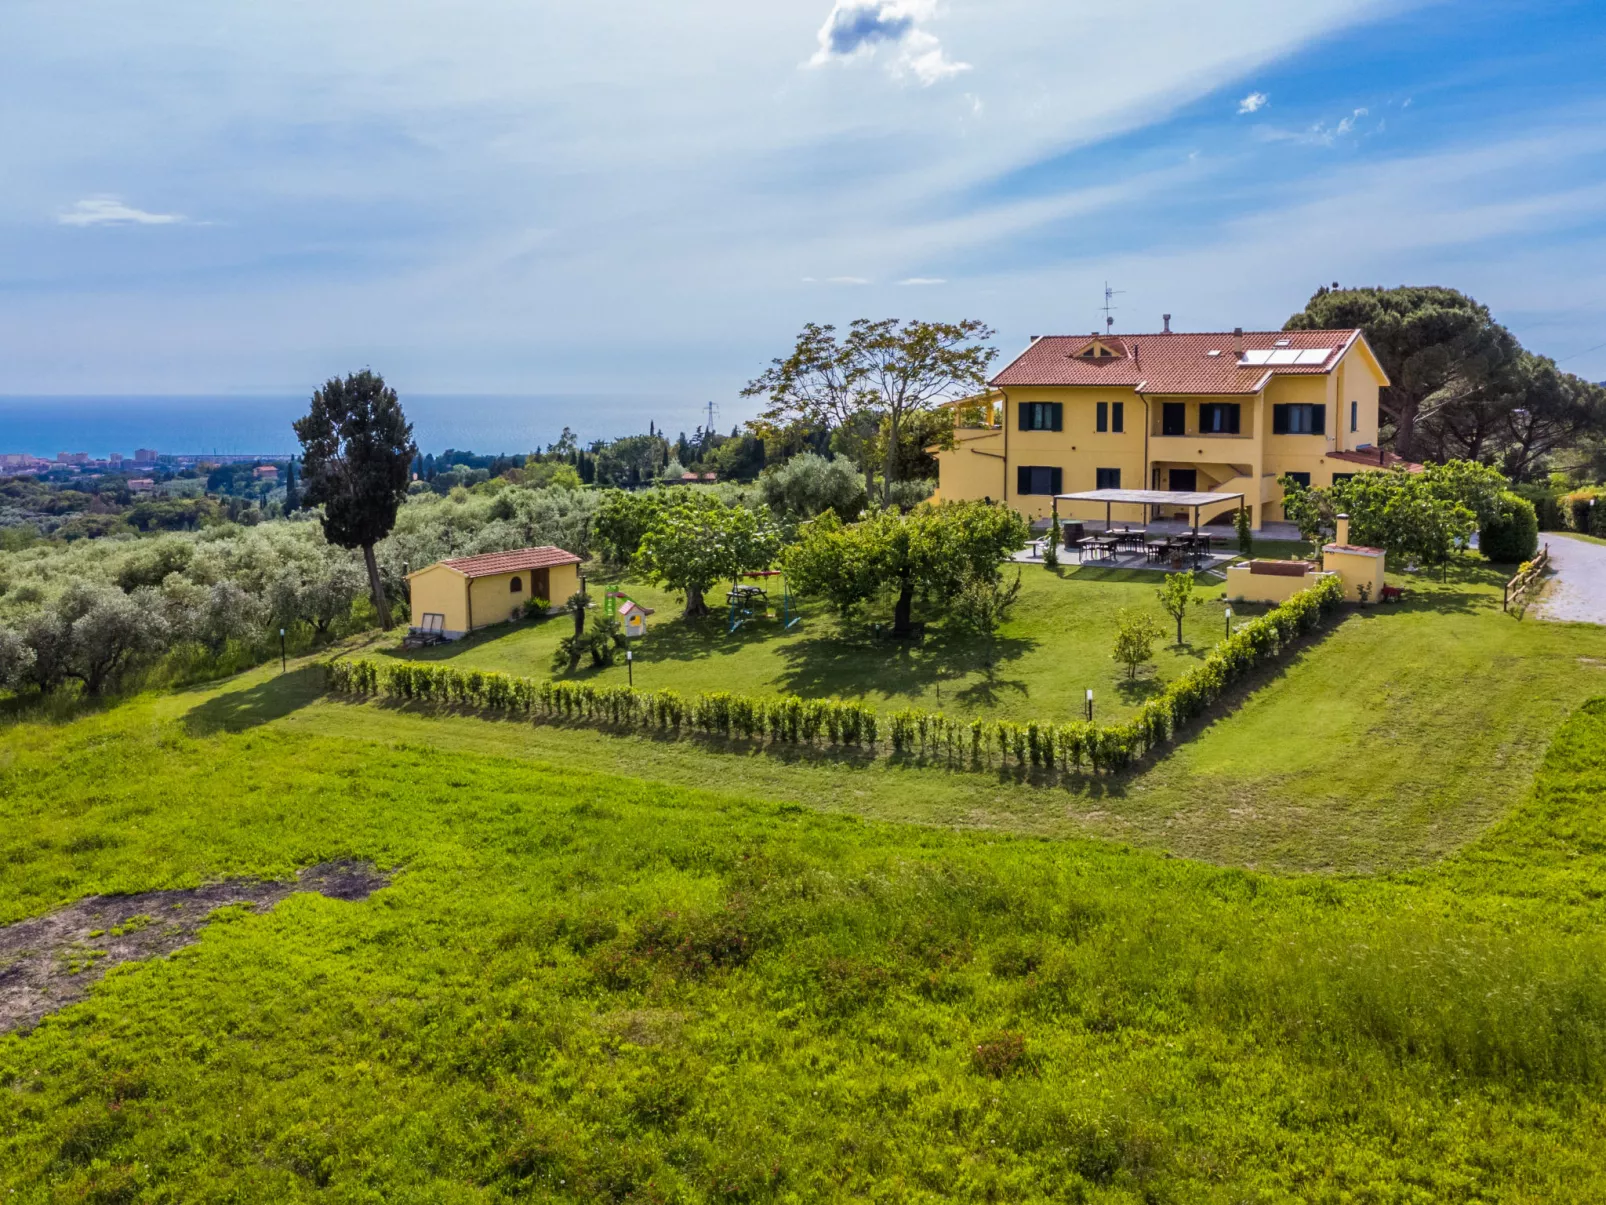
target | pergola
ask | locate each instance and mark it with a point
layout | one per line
(1147, 498)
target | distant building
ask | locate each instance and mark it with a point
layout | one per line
(144, 455)
(115, 459)
(266, 472)
(141, 485)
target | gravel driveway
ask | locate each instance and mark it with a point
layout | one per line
(1578, 591)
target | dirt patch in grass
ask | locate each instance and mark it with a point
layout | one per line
(49, 962)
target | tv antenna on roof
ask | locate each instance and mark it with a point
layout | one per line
(1109, 310)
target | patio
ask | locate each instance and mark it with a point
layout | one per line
(1161, 545)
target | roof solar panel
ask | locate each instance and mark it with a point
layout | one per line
(1315, 355)
(1257, 356)
(1284, 356)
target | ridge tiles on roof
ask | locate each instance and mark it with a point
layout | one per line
(1175, 362)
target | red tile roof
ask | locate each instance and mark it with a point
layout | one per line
(1376, 458)
(1170, 363)
(523, 559)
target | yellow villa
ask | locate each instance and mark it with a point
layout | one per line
(1196, 413)
(453, 598)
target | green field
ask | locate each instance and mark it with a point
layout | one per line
(621, 968)
(1056, 645)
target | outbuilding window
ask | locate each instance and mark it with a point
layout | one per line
(516, 586)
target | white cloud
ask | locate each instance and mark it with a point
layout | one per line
(923, 280)
(1253, 103)
(855, 29)
(1348, 124)
(110, 211)
(1320, 134)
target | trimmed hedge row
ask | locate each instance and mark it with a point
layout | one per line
(837, 723)
(716, 713)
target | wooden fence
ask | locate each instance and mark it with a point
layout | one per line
(1532, 573)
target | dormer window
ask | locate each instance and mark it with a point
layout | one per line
(1098, 350)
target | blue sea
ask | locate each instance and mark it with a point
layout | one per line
(260, 424)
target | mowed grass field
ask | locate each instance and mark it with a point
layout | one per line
(1056, 645)
(1395, 738)
(588, 986)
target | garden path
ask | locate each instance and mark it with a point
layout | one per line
(1578, 591)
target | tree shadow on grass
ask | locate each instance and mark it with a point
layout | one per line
(271, 700)
(845, 667)
(474, 640)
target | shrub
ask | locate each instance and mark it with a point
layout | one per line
(536, 608)
(1546, 503)
(1513, 536)
(1135, 634)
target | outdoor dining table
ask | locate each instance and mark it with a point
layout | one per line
(1104, 546)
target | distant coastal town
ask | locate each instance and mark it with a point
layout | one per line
(144, 459)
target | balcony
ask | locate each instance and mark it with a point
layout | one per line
(1198, 447)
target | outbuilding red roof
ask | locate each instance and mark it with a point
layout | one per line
(1175, 362)
(489, 563)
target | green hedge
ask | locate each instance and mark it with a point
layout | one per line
(1513, 537)
(835, 723)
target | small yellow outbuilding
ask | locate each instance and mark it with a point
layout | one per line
(455, 597)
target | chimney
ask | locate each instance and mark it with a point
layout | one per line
(1167, 318)
(1342, 535)
(1238, 341)
(1134, 353)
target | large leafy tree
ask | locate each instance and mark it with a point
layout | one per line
(696, 541)
(881, 373)
(1462, 387)
(1437, 345)
(358, 447)
(1420, 516)
(935, 549)
(820, 386)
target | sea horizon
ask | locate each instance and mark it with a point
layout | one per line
(259, 423)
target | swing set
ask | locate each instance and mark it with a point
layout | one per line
(750, 602)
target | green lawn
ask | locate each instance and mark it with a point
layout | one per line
(1392, 740)
(585, 986)
(1056, 645)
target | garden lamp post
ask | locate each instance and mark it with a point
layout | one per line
(630, 665)
(1229, 620)
(1089, 704)
(283, 662)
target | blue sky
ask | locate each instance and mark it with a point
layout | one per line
(507, 196)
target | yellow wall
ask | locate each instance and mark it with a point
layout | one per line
(1356, 568)
(442, 591)
(974, 469)
(1247, 463)
(1079, 450)
(1244, 586)
(563, 581)
(447, 592)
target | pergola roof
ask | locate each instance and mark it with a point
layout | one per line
(1148, 497)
